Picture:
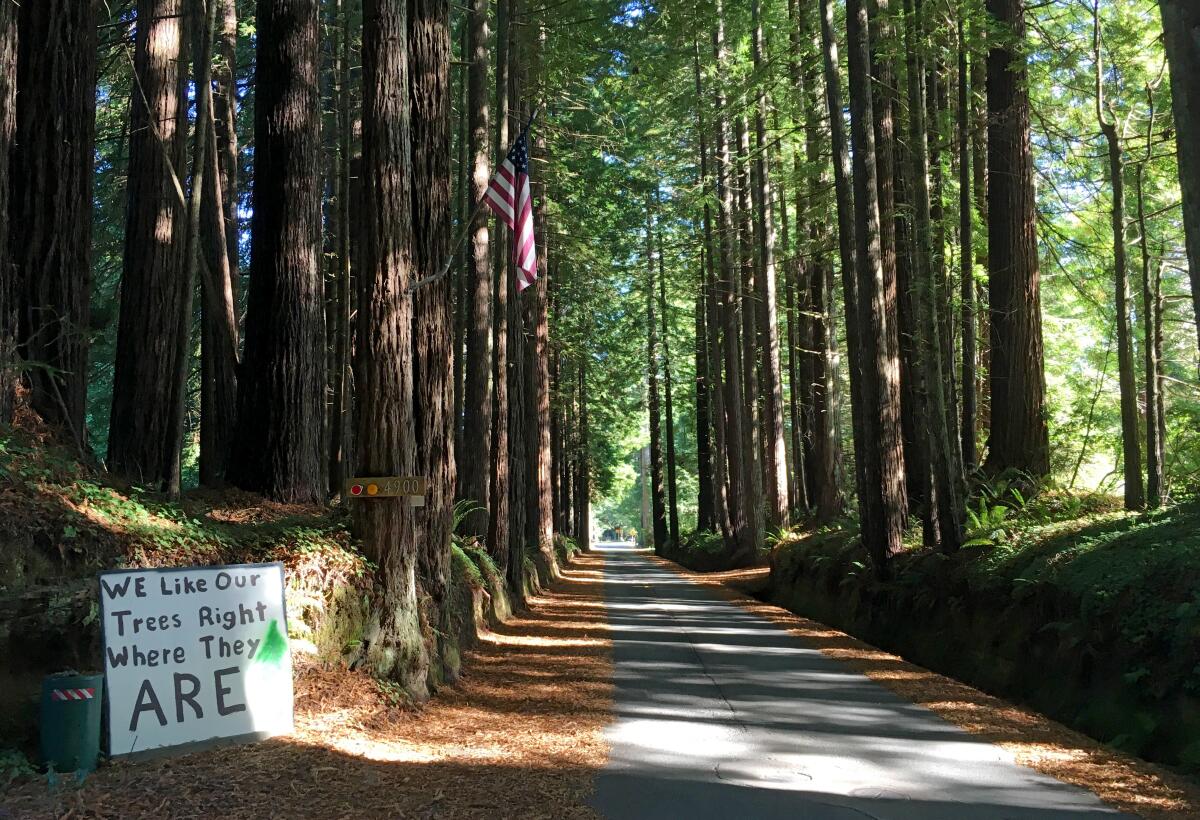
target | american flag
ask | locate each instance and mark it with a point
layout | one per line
(508, 195)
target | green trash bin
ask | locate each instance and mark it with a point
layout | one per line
(71, 707)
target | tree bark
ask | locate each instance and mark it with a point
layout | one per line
(498, 479)
(1019, 439)
(433, 319)
(387, 437)
(1181, 36)
(475, 456)
(881, 463)
(1135, 494)
(1151, 330)
(966, 232)
(775, 463)
(279, 442)
(816, 283)
(668, 399)
(946, 509)
(657, 499)
(8, 290)
(152, 333)
(743, 548)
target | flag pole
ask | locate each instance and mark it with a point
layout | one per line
(463, 232)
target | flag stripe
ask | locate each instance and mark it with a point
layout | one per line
(509, 196)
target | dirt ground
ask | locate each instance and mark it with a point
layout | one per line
(1124, 782)
(519, 736)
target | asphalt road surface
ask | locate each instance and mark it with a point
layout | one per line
(722, 714)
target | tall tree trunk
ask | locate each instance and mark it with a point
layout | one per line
(744, 546)
(152, 333)
(225, 74)
(387, 435)
(1181, 35)
(218, 320)
(50, 207)
(846, 235)
(339, 438)
(882, 505)
(775, 465)
(753, 460)
(713, 381)
(433, 319)
(583, 489)
(196, 259)
(8, 291)
(475, 456)
(946, 470)
(706, 514)
(668, 399)
(1135, 493)
(1151, 322)
(657, 498)
(498, 479)
(816, 283)
(518, 394)
(279, 440)
(966, 232)
(538, 348)
(1019, 438)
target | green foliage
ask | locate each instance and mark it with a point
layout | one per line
(463, 569)
(565, 548)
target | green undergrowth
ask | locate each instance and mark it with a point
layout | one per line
(1088, 613)
(59, 518)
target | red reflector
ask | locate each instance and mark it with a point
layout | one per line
(356, 489)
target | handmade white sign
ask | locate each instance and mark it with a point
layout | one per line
(194, 654)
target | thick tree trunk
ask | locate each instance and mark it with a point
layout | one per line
(1019, 439)
(657, 497)
(946, 470)
(475, 457)
(775, 463)
(753, 459)
(433, 319)
(340, 428)
(537, 305)
(966, 233)
(706, 515)
(668, 399)
(50, 208)
(279, 442)
(743, 548)
(519, 471)
(387, 435)
(583, 488)
(881, 463)
(152, 333)
(225, 73)
(8, 290)
(498, 479)
(816, 285)
(846, 235)
(1181, 35)
(714, 384)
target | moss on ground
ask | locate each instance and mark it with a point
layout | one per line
(1087, 613)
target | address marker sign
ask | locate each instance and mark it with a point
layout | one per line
(195, 654)
(388, 487)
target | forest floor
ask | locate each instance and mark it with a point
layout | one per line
(1122, 781)
(520, 735)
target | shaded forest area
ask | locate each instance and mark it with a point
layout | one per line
(921, 274)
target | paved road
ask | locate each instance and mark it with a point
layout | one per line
(721, 714)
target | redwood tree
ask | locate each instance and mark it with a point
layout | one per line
(1181, 35)
(278, 443)
(475, 457)
(429, 75)
(50, 208)
(384, 370)
(1019, 438)
(8, 123)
